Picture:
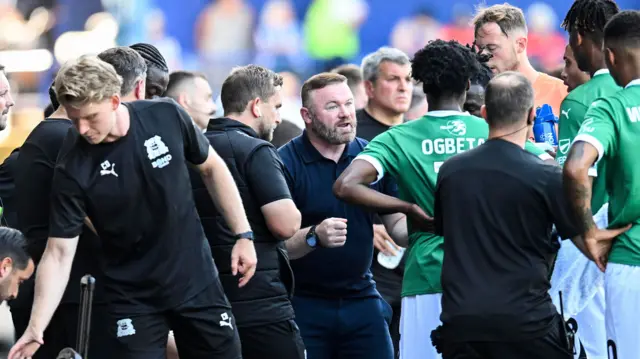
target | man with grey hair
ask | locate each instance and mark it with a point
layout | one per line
(131, 67)
(389, 87)
(495, 274)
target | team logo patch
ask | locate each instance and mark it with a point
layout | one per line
(125, 328)
(564, 145)
(157, 152)
(455, 127)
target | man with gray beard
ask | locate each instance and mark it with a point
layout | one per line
(337, 306)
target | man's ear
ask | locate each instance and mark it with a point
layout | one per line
(115, 102)
(306, 115)
(255, 107)
(368, 88)
(139, 90)
(183, 100)
(483, 112)
(6, 265)
(531, 116)
(521, 44)
(610, 55)
(468, 84)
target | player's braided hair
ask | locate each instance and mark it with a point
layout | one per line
(484, 75)
(151, 56)
(589, 17)
(444, 67)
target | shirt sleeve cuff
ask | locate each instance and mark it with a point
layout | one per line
(593, 171)
(592, 141)
(545, 156)
(375, 163)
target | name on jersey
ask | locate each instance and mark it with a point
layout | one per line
(450, 146)
(633, 113)
(157, 152)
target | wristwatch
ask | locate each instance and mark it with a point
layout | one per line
(245, 235)
(311, 238)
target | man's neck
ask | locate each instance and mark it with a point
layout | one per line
(443, 104)
(244, 119)
(525, 68)
(122, 125)
(382, 115)
(517, 135)
(59, 113)
(597, 62)
(327, 150)
(129, 97)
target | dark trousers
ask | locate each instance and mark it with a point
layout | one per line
(280, 340)
(394, 328)
(552, 345)
(63, 330)
(203, 327)
(350, 328)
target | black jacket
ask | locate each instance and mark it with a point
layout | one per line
(266, 298)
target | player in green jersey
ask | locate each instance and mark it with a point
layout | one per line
(413, 153)
(585, 23)
(610, 134)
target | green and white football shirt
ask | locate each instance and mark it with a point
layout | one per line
(572, 112)
(612, 126)
(413, 153)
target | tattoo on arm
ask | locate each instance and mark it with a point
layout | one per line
(578, 186)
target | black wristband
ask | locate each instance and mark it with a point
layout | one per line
(245, 235)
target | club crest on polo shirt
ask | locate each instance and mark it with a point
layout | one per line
(125, 328)
(157, 152)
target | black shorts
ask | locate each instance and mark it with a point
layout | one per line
(278, 340)
(553, 345)
(63, 330)
(203, 327)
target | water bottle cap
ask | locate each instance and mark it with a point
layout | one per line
(544, 113)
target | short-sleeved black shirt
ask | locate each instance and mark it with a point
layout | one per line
(496, 206)
(34, 175)
(136, 191)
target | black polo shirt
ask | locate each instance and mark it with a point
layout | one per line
(330, 272)
(496, 206)
(136, 191)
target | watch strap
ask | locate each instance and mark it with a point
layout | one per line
(245, 235)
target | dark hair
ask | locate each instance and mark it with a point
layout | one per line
(589, 17)
(244, 84)
(151, 56)
(351, 72)
(444, 68)
(178, 78)
(508, 99)
(2, 68)
(53, 97)
(157, 69)
(128, 64)
(317, 82)
(623, 30)
(284, 133)
(13, 244)
(484, 74)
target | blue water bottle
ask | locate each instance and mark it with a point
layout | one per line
(544, 127)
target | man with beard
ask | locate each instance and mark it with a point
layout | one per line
(501, 31)
(264, 315)
(387, 80)
(337, 305)
(192, 91)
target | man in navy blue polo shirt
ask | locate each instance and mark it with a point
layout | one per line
(338, 308)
